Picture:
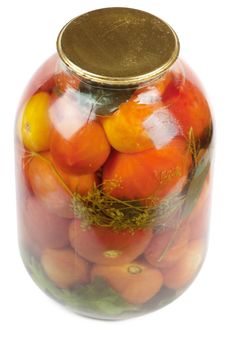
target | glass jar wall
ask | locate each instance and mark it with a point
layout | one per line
(113, 189)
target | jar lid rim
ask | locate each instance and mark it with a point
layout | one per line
(118, 46)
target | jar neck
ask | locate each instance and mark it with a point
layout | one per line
(73, 77)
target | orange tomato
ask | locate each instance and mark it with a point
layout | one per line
(183, 272)
(190, 109)
(149, 173)
(143, 122)
(107, 247)
(126, 129)
(167, 247)
(44, 229)
(64, 267)
(135, 282)
(84, 152)
(55, 187)
(81, 184)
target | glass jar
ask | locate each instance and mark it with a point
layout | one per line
(113, 167)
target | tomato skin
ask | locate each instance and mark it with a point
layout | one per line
(179, 240)
(44, 229)
(53, 187)
(136, 282)
(183, 272)
(190, 109)
(35, 123)
(48, 187)
(125, 129)
(154, 92)
(181, 93)
(84, 152)
(64, 267)
(81, 184)
(144, 121)
(149, 173)
(107, 247)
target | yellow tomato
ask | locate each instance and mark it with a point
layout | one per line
(125, 129)
(36, 125)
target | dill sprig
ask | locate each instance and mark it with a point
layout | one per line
(101, 209)
(193, 146)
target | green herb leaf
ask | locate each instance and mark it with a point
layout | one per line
(196, 184)
(96, 298)
(193, 145)
(103, 101)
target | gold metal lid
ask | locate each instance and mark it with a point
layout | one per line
(118, 46)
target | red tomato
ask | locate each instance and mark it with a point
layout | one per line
(83, 152)
(184, 271)
(107, 247)
(149, 173)
(43, 229)
(136, 282)
(153, 93)
(65, 268)
(49, 187)
(189, 107)
(53, 186)
(167, 247)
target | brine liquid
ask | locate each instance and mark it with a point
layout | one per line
(113, 190)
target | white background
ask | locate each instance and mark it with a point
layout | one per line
(202, 317)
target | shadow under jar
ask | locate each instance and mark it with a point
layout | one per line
(113, 165)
